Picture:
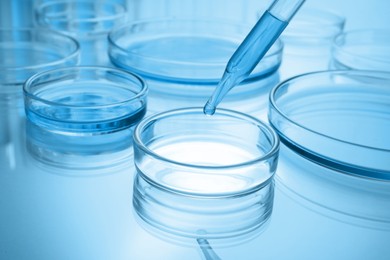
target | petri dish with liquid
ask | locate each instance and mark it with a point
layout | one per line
(213, 174)
(335, 150)
(184, 59)
(83, 111)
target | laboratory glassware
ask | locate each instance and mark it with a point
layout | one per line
(335, 151)
(24, 52)
(367, 49)
(183, 59)
(214, 174)
(76, 113)
(255, 45)
(87, 21)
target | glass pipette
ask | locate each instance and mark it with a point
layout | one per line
(253, 48)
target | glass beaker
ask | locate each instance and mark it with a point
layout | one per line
(24, 52)
(335, 151)
(362, 50)
(183, 60)
(87, 21)
(79, 112)
(308, 41)
(214, 174)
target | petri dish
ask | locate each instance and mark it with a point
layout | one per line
(362, 50)
(179, 49)
(338, 118)
(183, 60)
(87, 21)
(82, 111)
(84, 18)
(306, 25)
(215, 180)
(334, 127)
(24, 52)
(240, 11)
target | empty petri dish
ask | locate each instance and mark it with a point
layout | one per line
(24, 52)
(334, 127)
(87, 21)
(212, 173)
(362, 50)
(183, 60)
(240, 11)
(78, 111)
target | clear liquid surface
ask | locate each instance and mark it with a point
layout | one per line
(187, 48)
(207, 153)
(178, 56)
(82, 108)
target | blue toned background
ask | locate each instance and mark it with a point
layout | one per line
(359, 13)
(49, 213)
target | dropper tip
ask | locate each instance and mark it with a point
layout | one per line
(208, 109)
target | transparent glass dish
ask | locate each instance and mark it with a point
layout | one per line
(87, 21)
(334, 128)
(24, 52)
(80, 111)
(362, 50)
(214, 174)
(241, 11)
(183, 60)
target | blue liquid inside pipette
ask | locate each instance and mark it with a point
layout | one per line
(246, 57)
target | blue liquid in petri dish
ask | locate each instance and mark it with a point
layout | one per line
(183, 58)
(187, 48)
(247, 56)
(96, 110)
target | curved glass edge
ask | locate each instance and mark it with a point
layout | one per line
(271, 136)
(342, 197)
(314, 25)
(74, 23)
(70, 53)
(195, 217)
(114, 116)
(349, 50)
(64, 153)
(303, 140)
(123, 58)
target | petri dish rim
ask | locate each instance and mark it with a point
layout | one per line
(73, 55)
(362, 33)
(30, 81)
(328, 18)
(274, 106)
(113, 36)
(199, 110)
(120, 8)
